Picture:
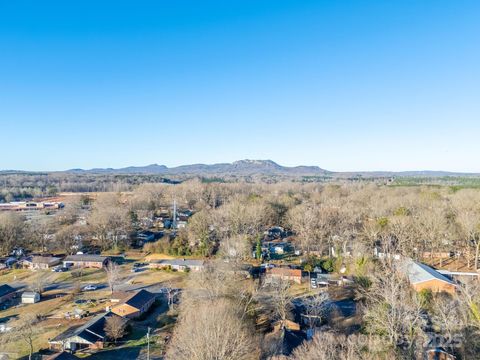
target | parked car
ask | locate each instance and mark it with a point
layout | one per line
(89, 288)
(267, 266)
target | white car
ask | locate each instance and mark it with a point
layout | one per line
(89, 288)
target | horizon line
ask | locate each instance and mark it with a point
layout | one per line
(71, 169)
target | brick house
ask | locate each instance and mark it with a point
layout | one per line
(422, 277)
(287, 274)
(40, 262)
(178, 264)
(86, 261)
(134, 305)
(89, 336)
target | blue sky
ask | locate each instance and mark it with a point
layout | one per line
(345, 85)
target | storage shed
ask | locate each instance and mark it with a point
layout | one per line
(30, 297)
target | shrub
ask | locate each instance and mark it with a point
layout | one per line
(328, 265)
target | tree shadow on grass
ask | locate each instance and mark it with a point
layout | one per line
(115, 354)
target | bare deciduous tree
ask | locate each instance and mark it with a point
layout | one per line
(277, 298)
(470, 231)
(304, 220)
(203, 334)
(40, 281)
(113, 275)
(25, 328)
(394, 310)
(12, 230)
(110, 222)
(315, 308)
(332, 346)
(115, 327)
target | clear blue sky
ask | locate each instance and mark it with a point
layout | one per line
(345, 85)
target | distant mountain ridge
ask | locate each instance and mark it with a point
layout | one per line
(249, 168)
(241, 168)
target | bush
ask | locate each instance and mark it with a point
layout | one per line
(425, 296)
(363, 281)
(328, 265)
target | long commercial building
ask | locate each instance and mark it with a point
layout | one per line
(30, 205)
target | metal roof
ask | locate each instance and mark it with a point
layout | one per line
(418, 272)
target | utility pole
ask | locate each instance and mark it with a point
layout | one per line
(148, 343)
(174, 224)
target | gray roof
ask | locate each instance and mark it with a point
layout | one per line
(86, 257)
(180, 262)
(140, 298)
(92, 331)
(29, 294)
(43, 259)
(418, 272)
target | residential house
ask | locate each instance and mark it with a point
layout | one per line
(320, 279)
(6, 293)
(7, 262)
(143, 237)
(178, 264)
(163, 222)
(439, 354)
(294, 275)
(185, 213)
(89, 336)
(86, 261)
(30, 297)
(279, 248)
(422, 276)
(134, 305)
(386, 249)
(40, 262)
(181, 224)
(275, 232)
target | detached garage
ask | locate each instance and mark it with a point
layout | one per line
(30, 297)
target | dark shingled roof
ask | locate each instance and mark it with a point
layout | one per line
(6, 289)
(139, 299)
(92, 331)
